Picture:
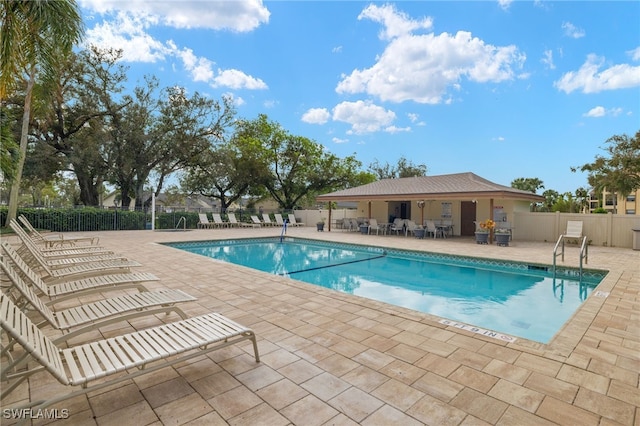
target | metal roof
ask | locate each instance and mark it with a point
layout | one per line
(452, 186)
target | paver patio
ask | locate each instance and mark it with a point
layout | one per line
(332, 358)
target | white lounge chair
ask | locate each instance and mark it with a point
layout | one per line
(234, 221)
(55, 239)
(256, 221)
(279, 219)
(136, 353)
(77, 320)
(574, 229)
(203, 222)
(397, 226)
(218, 222)
(57, 251)
(266, 219)
(293, 221)
(65, 289)
(74, 271)
(373, 226)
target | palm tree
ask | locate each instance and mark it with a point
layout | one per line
(33, 35)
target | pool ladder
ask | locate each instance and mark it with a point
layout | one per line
(184, 223)
(584, 252)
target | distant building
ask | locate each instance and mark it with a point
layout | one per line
(624, 205)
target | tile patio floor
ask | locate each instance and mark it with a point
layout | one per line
(333, 359)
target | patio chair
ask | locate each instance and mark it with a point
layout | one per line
(91, 316)
(279, 219)
(433, 229)
(266, 219)
(67, 289)
(293, 221)
(218, 222)
(75, 271)
(203, 222)
(58, 239)
(574, 229)
(58, 251)
(234, 221)
(256, 221)
(373, 225)
(397, 226)
(411, 227)
(136, 353)
(58, 257)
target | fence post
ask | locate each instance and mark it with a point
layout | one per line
(609, 229)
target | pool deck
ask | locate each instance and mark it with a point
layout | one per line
(329, 358)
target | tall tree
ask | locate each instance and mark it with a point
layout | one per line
(77, 116)
(619, 171)
(162, 131)
(34, 34)
(527, 184)
(293, 167)
(404, 168)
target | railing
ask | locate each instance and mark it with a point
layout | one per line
(184, 223)
(584, 252)
(284, 229)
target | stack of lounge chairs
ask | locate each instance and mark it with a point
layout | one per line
(37, 275)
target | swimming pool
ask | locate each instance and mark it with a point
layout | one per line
(497, 298)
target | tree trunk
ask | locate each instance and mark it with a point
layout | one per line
(24, 139)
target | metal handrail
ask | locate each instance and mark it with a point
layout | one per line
(584, 253)
(184, 223)
(284, 229)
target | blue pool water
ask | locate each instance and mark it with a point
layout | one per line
(506, 297)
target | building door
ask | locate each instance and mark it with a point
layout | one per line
(403, 211)
(467, 218)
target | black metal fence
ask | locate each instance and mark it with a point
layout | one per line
(95, 219)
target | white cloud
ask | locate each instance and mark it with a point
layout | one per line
(394, 129)
(128, 31)
(591, 79)
(505, 4)
(339, 141)
(423, 67)
(572, 31)
(547, 59)
(129, 34)
(337, 49)
(237, 79)
(634, 54)
(395, 23)
(240, 16)
(364, 117)
(595, 112)
(600, 111)
(316, 116)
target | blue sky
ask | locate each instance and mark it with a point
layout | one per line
(504, 89)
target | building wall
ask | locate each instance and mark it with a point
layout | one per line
(625, 205)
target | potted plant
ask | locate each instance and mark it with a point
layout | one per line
(502, 236)
(483, 232)
(320, 225)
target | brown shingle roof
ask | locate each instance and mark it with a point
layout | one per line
(452, 186)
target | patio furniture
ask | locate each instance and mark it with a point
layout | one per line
(90, 316)
(293, 221)
(266, 219)
(65, 289)
(203, 222)
(136, 353)
(58, 239)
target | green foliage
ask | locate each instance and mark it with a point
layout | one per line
(292, 167)
(404, 168)
(527, 184)
(619, 171)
